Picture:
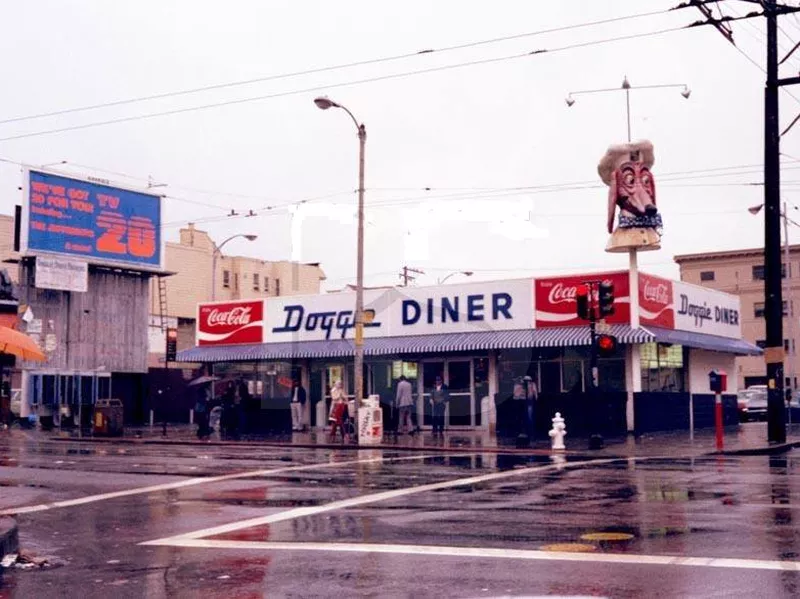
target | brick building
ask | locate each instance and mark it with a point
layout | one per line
(741, 272)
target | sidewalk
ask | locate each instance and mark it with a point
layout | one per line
(746, 439)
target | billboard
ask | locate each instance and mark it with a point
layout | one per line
(99, 223)
(230, 323)
(555, 299)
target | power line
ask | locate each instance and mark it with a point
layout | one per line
(318, 88)
(325, 69)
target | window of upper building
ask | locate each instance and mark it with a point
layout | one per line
(277, 286)
(236, 281)
(707, 275)
(759, 310)
(256, 282)
(266, 285)
(758, 272)
(226, 279)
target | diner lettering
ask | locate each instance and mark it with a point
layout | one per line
(412, 310)
(704, 312)
(328, 321)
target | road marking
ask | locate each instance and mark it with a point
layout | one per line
(208, 479)
(606, 536)
(372, 498)
(484, 552)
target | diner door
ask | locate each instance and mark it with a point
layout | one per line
(459, 382)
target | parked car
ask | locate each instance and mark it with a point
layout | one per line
(752, 403)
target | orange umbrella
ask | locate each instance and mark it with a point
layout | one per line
(20, 345)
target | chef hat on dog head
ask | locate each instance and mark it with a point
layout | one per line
(619, 154)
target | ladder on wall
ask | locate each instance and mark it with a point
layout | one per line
(162, 302)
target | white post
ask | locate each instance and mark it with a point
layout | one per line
(191, 416)
(633, 275)
(152, 419)
(633, 382)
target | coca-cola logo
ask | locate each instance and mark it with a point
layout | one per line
(561, 293)
(658, 293)
(238, 316)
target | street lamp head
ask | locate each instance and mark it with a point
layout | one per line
(251, 237)
(625, 83)
(570, 100)
(686, 92)
(323, 103)
(755, 209)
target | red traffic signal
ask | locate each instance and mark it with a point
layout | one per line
(606, 345)
(582, 302)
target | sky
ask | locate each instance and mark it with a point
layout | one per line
(474, 162)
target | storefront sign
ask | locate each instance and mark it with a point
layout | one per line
(706, 311)
(229, 323)
(97, 222)
(555, 299)
(62, 274)
(471, 307)
(656, 306)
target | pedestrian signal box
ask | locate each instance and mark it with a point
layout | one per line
(718, 381)
(172, 345)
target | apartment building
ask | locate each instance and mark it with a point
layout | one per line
(237, 277)
(741, 272)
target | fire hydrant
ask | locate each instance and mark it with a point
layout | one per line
(558, 432)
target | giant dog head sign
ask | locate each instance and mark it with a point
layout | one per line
(631, 188)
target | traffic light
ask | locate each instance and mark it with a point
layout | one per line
(605, 298)
(172, 345)
(606, 345)
(582, 301)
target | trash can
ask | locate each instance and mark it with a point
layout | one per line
(108, 418)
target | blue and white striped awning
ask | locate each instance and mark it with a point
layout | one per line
(412, 344)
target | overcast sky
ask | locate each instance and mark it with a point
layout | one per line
(473, 135)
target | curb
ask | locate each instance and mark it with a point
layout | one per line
(510, 450)
(9, 538)
(775, 449)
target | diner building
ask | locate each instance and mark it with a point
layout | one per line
(482, 338)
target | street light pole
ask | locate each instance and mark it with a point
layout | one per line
(466, 273)
(324, 103)
(218, 251)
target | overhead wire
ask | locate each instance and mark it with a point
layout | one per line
(317, 70)
(318, 88)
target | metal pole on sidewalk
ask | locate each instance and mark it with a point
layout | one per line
(718, 420)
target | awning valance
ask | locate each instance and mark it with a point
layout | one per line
(709, 342)
(412, 344)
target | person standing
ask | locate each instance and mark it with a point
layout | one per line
(298, 406)
(531, 396)
(337, 393)
(201, 408)
(439, 398)
(405, 406)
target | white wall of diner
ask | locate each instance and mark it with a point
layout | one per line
(701, 362)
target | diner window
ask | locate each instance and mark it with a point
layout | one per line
(256, 281)
(707, 275)
(611, 374)
(550, 373)
(662, 368)
(226, 279)
(572, 377)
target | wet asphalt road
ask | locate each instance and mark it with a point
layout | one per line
(390, 508)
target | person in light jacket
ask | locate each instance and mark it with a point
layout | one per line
(405, 405)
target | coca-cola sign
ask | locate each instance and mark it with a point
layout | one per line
(230, 323)
(656, 306)
(555, 299)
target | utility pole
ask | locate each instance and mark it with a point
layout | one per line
(774, 353)
(406, 277)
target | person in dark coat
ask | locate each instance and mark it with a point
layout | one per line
(201, 410)
(226, 423)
